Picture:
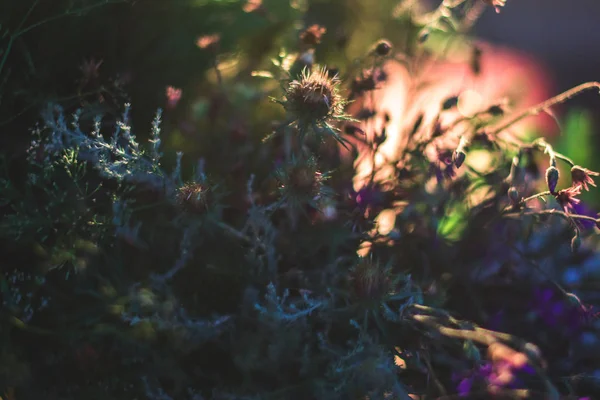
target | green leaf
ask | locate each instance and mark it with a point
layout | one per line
(576, 138)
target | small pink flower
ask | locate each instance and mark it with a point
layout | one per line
(582, 177)
(173, 96)
(567, 198)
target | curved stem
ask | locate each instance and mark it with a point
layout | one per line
(535, 110)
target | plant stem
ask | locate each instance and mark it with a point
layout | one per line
(543, 106)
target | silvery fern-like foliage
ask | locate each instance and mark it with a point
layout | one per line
(120, 158)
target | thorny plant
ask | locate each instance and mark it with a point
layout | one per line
(167, 293)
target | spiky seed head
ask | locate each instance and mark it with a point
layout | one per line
(194, 197)
(314, 96)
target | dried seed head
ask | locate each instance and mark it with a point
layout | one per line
(552, 176)
(194, 197)
(582, 177)
(314, 97)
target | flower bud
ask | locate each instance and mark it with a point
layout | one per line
(513, 195)
(552, 176)
(458, 158)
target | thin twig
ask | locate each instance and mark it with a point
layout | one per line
(535, 110)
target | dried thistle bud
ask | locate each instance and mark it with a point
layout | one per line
(582, 177)
(383, 48)
(312, 35)
(194, 197)
(314, 96)
(513, 195)
(301, 179)
(575, 242)
(552, 176)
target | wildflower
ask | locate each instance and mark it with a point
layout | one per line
(209, 42)
(567, 198)
(496, 4)
(311, 36)
(312, 101)
(173, 96)
(552, 176)
(582, 177)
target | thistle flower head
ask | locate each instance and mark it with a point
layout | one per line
(314, 96)
(582, 177)
(301, 184)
